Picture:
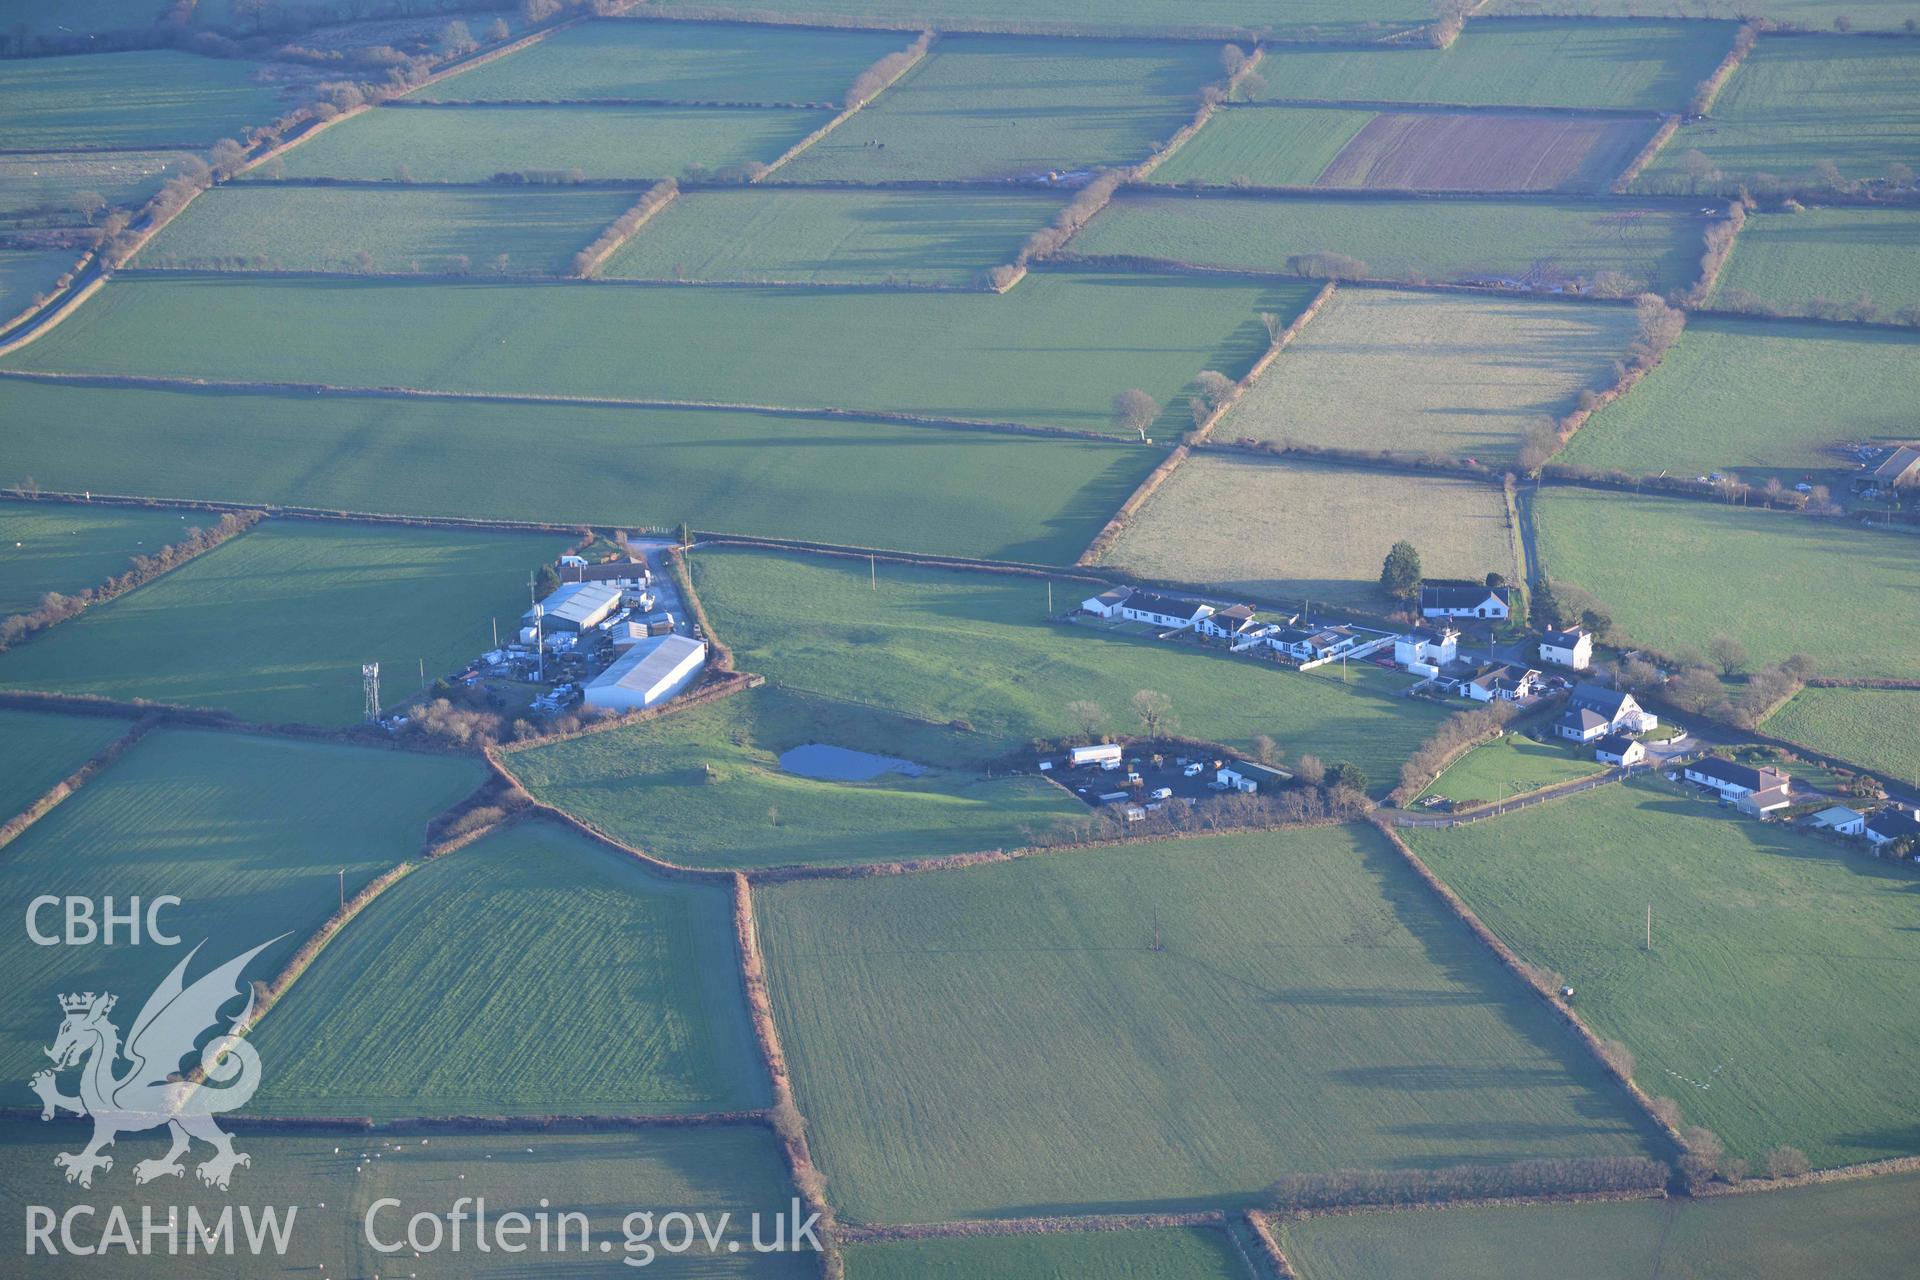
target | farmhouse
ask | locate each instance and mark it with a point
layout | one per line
(1756, 791)
(1839, 819)
(575, 606)
(1899, 470)
(1245, 775)
(1313, 646)
(1426, 650)
(1617, 748)
(1570, 648)
(620, 573)
(1163, 611)
(647, 674)
(1107, 603)
(1464, 600)
(1593, 711)
(1501, 680)
(1235, 622)
(1889, 825)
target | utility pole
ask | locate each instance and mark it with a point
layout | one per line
(873, 573)
(496, 633)
(343, 888)
(423, 673)
(1049, 597)
(1649, 926)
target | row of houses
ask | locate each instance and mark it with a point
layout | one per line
(1881, 828)
(1238, 624)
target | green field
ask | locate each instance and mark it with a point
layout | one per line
(1176, 1253)
(1797, 101)
(954, 491)
(1676, 573)
(1313, 1009)
(1851, 1228)
(1052, 352)
(471, 144)
(1873, 728)
(250, 833)
(151, 98)
(947, 645)
(1527, 63)
(1511, 766)
(66, 547)
(322, 1178)
(38, 750)
(39, 187)
(1263, 148)
(1300, 20)
(1765, 397)
(1293, 531)
(832, 237)
(1811, 15)
(705, 787)
(1779, 964)
(1543, 244)
(1790, 261)
(27, 274)
(275, 624)
(405, 229)
(674, 61)
(1004, 107)
(535, 972)
(1470, 375)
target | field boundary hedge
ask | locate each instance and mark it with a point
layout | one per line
(1720, 237)
(50, 799)
(1708, 90)
(1212, 98)
(1263, 1234)
(1062, 1224)
(1644, 157)
(1532, 978)
(885, 73)
(655, 198)
(1345, 37)
(1447, 108)
(241, 1122)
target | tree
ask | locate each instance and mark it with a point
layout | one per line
(498, 30)
(1310, 771)
(1155, 710)
(363, 262)
(88, 205)
(1829, 174)
(1346, 774)
(1266, 750)
(457, 38)
(1214, 386)
(1728, 654)
(545, 581)
(1089, 717)
(1698, 169)
(1400, 571)
(683, 535)
(1787, 1162)
(1496, 579)
(1275, 325)
(1899, 175)
(1134, 410)
(1597, 621)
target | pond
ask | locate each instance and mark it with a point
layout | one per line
(842, 764)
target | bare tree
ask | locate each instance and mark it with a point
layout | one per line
(1089, 717)
(1214, 386)
(1134, 410)
(1787, 1162)
(1274, 324)
(1155, 710)
(1728, 654)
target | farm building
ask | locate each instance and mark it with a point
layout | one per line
(1898, 470)
(1245, 775)
(1593, 711)
(1892, 824)
(624, 635)
(1617, 748)
(1163, 611)
(1107, 603)
(1235, 622)
(1502, 680)
(1751, 790)
(576, 606)
(1427, 650)
(647, 674)
(620, 573)
(1570, 648)
(1464, 600)
(1839, 819)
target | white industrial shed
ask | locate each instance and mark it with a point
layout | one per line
(576, 606)
(647, 674)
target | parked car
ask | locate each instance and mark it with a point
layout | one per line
(1161, 793)
(1193, 770)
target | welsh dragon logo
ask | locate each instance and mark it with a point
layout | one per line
(151, 1092)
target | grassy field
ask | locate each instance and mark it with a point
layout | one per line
(471, 144)
(958, 492)
(1434, 151)
(1649, 65)
(706, 788)
(1001, 107)
(1873, 728)
(1881, 15)
(40, 187)
(1791, 260)
(47, 546)
(1052, 352)
(1263, 148)
(275, 624)
(537, 230)
(1764, 397)
(1303, 20)
(1676, 573)
(732, 1169)
(1510, 766)
(535, 972)
(248, 832)
(1779, 961)
(1313, 1009)
(1800, 100)
(831, 237)
(26, 274)
(674, 61)
(1469, 375)
(38, 750)
(149, 98)
(1288, 531)
(947, 645)
(1177, 1253)
(1425, 240)
(1852, 1228)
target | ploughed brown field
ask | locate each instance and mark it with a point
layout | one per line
(1486, 151)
